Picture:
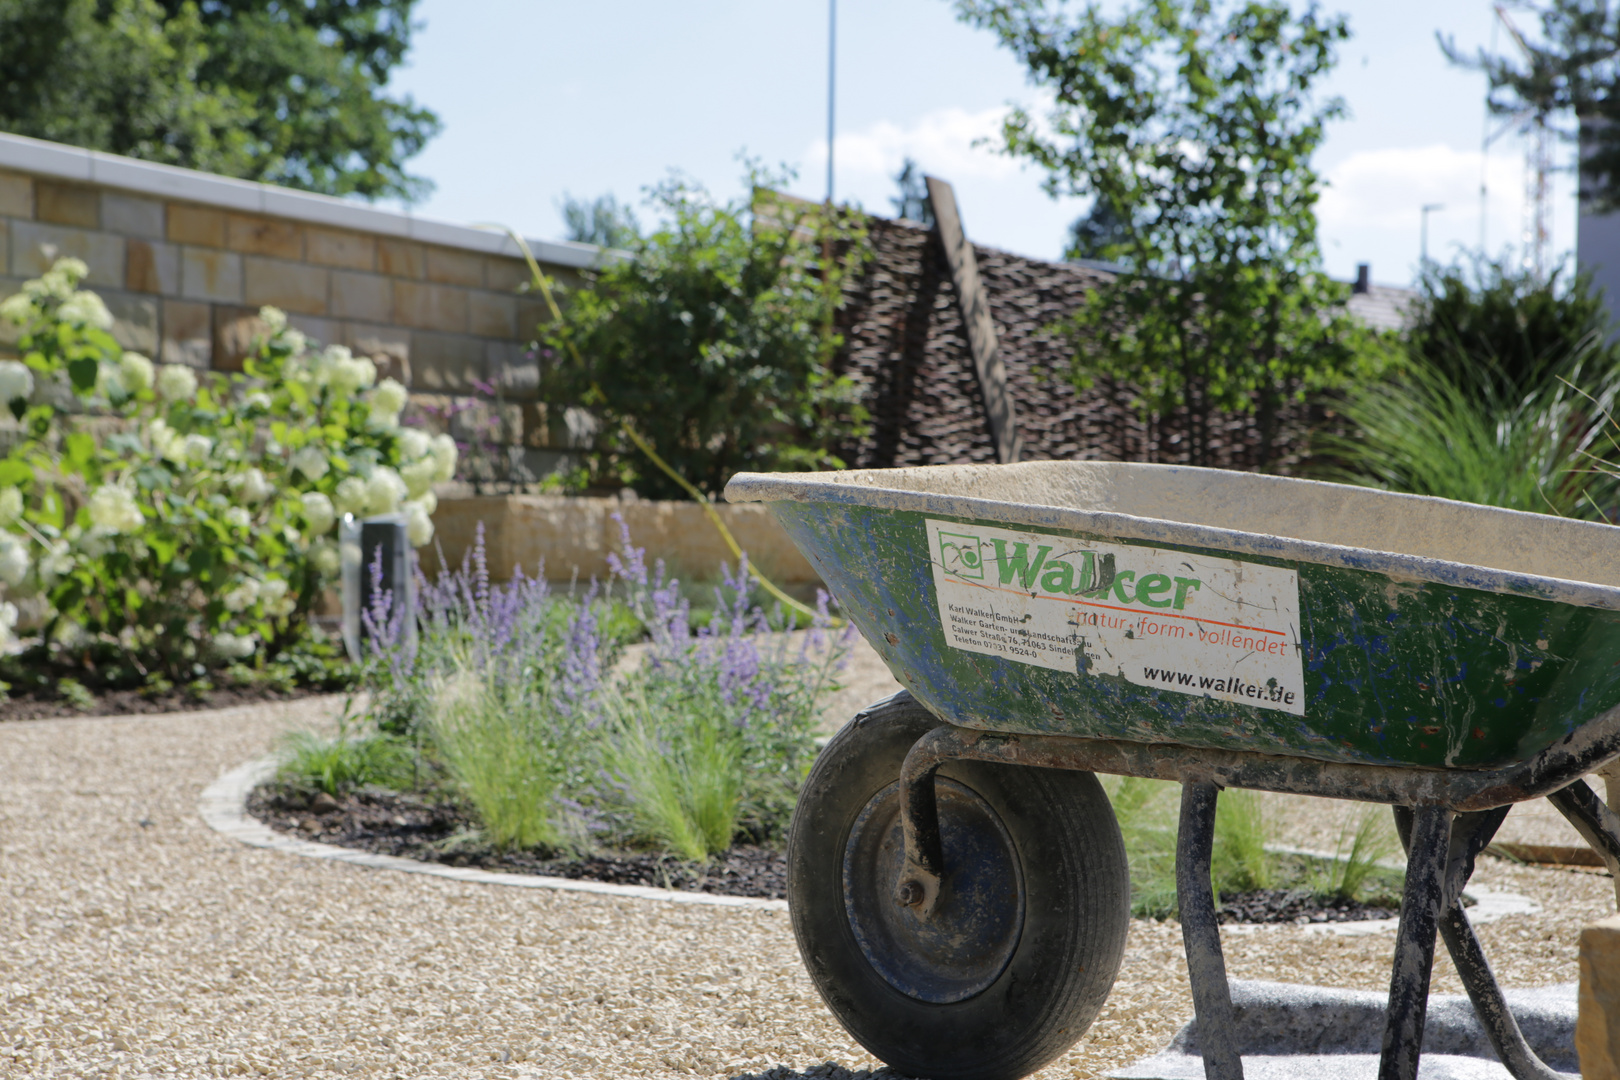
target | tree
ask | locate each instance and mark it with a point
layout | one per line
(1195, 121)
(604, 221)
(710, 342)
(911, 199)
(1100, 235)
(1574, 71)
(260, 89)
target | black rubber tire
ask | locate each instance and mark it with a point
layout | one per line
(1076, 910)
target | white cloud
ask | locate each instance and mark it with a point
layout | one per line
(1387, 188)
(1001, 199)
(945, 142)
(1371, 210)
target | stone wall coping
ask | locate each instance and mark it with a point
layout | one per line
(57, 161)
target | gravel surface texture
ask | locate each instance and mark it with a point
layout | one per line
(136, 942)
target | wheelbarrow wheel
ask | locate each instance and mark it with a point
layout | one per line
(1017, 957)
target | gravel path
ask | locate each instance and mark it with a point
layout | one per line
(134, 941)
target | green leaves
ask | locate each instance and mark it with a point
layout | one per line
(713, 342)
(1192, 125)
(289, 94)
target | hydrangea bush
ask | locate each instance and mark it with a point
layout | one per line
(158, 521)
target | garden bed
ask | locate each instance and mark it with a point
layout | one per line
(137, 702)
(386, 823)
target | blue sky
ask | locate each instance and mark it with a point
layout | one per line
(540, 99)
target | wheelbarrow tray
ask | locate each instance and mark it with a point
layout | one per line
(1158, 604)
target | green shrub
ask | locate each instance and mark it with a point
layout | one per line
(342, 763)
(169, 521)
(1241, 862)
(1423, 433)
(497, 739)
(713, 341)
(1357, 854)
(680, 775)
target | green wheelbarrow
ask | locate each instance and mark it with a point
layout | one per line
(957, 880)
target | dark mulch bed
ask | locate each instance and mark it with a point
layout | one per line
(1296, 906)
(26, 706)
(389, 824)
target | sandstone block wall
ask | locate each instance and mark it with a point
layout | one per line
(184, 261)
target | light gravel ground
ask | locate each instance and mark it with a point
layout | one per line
(136, 942)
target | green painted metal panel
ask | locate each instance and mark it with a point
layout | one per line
(1395, 672)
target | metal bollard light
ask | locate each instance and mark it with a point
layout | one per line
(367, 546)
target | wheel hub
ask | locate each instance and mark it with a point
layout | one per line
(966, 942)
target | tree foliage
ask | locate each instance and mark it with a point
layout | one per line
(284, 93)
(910, 200)
(603, 221)
(1497, 332)
(712, 341)
(1195, 121)
(1573, 72)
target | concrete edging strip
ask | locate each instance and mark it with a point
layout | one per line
(223, 807)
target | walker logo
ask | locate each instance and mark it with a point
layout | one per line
(1220, 628)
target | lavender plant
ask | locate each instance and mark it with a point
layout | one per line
(714, 733)
(524, 701)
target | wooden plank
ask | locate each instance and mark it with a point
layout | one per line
(981, 330)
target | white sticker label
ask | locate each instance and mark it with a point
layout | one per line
(1165, 619)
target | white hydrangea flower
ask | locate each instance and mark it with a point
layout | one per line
(296, 341)
(350, 496)
(252, 487)
(8, 622)
(234, 646)
(176, 382)
(444, 453)
(418, 526)
(414, 443)
(14, 560)
(56, 563)
(86, 308)
(238, 517)
(258, 399)
(17, 309)
(137, 371)
(196, 448)
(113, 510)
(389, 397)
(325, 558)
(11, 504)
(319, 513)
(419, 477)
(97, 542)
(273, 594)
(110, 381)
(73, 270)
(311, 461)
(384, 491)
(429, 502)
(273, 317)
(242, 596)
(16, 381)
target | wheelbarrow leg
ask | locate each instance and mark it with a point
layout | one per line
(1421, 904)
(1597, 824)
(1201, 934)
(1469, 836)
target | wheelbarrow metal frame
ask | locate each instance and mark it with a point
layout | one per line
(1446, 818)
